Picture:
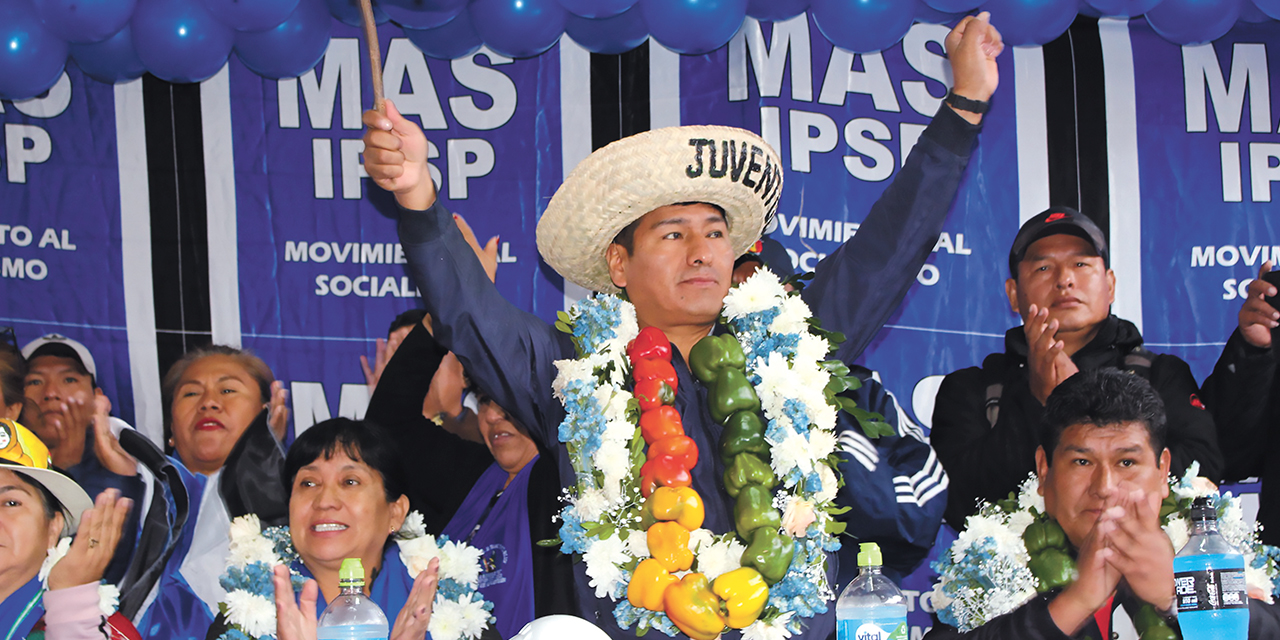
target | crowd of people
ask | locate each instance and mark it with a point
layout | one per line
(473, 436)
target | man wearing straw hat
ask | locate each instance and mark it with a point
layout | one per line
(659, 216)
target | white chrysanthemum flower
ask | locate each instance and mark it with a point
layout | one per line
(793, 316)
(1018, 522)
(602, 559)
(699, 537)
(254, 614)
(776, 630)
(245, 527)
(811, 350)
(108, 599)
(1029, 495)
(413, 526)
(570, 370)
(251, 549)
(417, 553)
(446, 620)
(460, 562)
(791, 453)
(638, 543)
(614, 461)
(591, 504)
(821, 443)
(1177, 531)
(616, 412)
(719, 558)
(55, 553)
(755, 294)
(829, 484)
(978, 528)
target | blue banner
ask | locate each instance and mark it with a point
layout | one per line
(321, 274)
(1208, 156)
(61, 265)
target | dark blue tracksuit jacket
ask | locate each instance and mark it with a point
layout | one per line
(510, 353)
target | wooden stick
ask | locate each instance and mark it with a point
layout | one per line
(375, 54)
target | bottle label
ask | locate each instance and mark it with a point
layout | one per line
(1210, 589)
(871, 629)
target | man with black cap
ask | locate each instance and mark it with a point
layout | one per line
(62, 382)
(985, 419)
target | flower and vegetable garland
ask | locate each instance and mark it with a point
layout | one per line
(458, 611)
(1012, 550)
(632, 514)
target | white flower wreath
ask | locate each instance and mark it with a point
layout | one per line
(459, 611)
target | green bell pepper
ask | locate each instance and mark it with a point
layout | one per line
(743, 432)
(713, 354)
(1053, 568)
(753, 510)
(748, 468)
(769, 553)
(1043, 534)
(731, 393)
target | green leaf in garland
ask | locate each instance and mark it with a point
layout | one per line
(550, 542)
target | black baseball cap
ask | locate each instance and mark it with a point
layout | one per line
(1054, 221)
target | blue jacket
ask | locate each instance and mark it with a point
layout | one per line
(510, 353)
(895, 487)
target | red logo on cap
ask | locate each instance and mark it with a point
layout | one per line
(1195, 402)
(1054, 217)
(757, 247)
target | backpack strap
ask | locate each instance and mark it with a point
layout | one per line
(1138, 361)
(992, 374)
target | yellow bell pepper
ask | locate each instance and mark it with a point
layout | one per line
(669, 545)
(648, 583)
(681, 504)
(744, 593)
(693, 608)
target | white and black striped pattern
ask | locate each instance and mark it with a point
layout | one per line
(924, 485)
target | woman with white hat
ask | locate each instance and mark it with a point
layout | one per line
(47, 581)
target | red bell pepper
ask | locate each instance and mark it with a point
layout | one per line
(660, 423)
(682, 448)
(664, 471)
(650, 344)
(653, 394)
(642, 370)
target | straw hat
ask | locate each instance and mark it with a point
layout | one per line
(22, 452)
(732, 168)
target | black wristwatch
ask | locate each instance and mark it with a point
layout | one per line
(967, 104)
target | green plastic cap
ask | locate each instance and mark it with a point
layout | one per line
(868, 555)
(351, 574)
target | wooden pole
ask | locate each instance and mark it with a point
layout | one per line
(375, 54)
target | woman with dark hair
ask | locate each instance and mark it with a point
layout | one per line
(226, 415)
(346, 501)
(49, 585)
(500, 496)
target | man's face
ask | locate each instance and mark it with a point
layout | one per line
(52, 381)
(1088, 465)
(1062, 273)
(680, 267)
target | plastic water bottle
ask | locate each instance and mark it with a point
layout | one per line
(871, 607)
(1209, 584)
(352, 615)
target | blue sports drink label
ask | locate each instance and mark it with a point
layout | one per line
(1208, 588)
(872, 629)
